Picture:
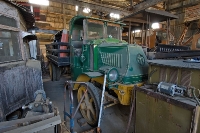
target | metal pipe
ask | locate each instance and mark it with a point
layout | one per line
(142, 34)
(131, 111)
(101, 106)
(149, 32)
(79, 103)
(146, 31)
(71, 115)
(65, 104)
(71, 109)
(129, 33)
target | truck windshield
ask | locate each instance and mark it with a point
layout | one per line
(113, 31)
(95, 30)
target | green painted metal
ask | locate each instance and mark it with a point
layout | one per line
(95, 58)
(99, 54)
(130, 61)
(107, 40)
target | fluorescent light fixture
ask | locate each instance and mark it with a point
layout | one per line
(76, 8)
(113, 15)
(40, 2)
(136, 31)
(155, 26)
(86, 10)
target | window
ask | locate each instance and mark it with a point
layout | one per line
(198, 44)
(9, 46)
(113, 31)
(8, 21)
(95, 31)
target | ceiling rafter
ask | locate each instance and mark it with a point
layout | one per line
(95, 5)
(142, 6)
(182, 4)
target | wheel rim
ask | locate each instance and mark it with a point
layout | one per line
(87, 107)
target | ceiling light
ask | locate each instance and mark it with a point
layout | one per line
(76, 8)
(155, 26)
(39, 2)
(86, 10)
(113, 15)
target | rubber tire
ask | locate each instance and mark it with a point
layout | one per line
(52, 71)
(95, 94)
(58, 73)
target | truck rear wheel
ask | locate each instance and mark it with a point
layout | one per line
(91, 103)
(52, 71)
(58, 73)
(55, 72)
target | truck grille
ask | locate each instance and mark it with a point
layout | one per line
(111, 59)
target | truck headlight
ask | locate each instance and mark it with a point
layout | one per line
(112, 74)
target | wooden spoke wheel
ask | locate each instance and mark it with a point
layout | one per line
(55, 72)
(91, 103)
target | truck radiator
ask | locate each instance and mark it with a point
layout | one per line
(111, 59)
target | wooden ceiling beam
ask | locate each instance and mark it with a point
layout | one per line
(46, 31)
(95, 6)
(142, 6)
(183, 4)
(135, 20)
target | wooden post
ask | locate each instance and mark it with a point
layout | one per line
(149, 32)
(64, 18)
(129, 33)
(146, 31)
(142, 34)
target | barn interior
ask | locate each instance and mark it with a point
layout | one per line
(91, 66)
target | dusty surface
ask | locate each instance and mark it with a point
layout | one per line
(114, 119)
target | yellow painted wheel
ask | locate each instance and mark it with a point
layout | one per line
(91, 103)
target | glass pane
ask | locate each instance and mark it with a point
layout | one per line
(95, 31)
(9, 46)
(198, 44)
(113, 32)
(75, 35)
(5, 34)
(8, 21)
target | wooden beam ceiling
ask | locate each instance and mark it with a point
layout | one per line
(142, 6)
(95, 6)
(182, 4)
(135, 20)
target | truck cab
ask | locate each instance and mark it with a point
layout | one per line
(86, 34)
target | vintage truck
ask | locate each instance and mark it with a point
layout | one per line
(96, 49)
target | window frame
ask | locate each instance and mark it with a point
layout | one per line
(17, 31)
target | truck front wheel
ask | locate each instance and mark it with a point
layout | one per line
(91, 103)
